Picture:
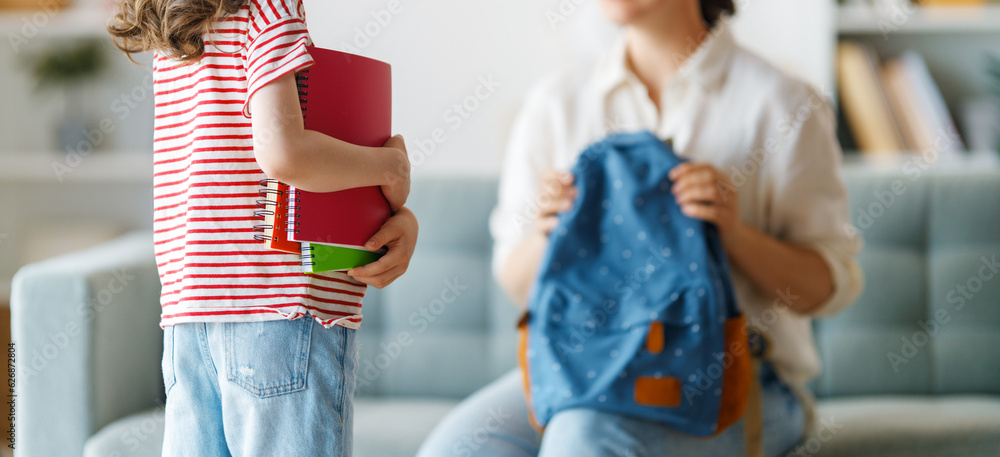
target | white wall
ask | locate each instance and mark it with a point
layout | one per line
(441, 48)
(441, 51)
(798, 36)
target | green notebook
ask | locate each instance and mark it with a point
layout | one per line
(319, 258)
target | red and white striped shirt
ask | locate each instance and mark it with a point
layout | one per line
(206, 182)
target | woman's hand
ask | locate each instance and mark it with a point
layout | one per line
(399, 234)
(556, 196)
(774, 266)
(517, 275)
(705, 193)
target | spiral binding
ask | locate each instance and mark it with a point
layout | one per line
(271, 197)
(293, 208)
(307, 255)
(262, 213)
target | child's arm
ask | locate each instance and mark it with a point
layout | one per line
(311, 161)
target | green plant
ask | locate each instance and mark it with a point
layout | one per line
(68, 64)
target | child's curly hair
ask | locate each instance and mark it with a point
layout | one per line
(174, 28)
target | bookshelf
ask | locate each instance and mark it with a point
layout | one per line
(125, 167)
(861, 19)
(954, 41)
(972, 161)
(73, 22)
(95, 196)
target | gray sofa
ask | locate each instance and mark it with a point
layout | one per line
(894, 384)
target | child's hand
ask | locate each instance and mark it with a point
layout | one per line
(398, 183)
(399, 234)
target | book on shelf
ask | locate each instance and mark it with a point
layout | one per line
(865, 101)
(922, 106)
(896, 106)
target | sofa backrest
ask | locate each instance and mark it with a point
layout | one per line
(445, 328)
(928, 320)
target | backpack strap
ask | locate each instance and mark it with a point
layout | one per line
(753, 419)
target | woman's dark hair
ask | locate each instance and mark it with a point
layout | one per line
(175, 28)
(711, 10)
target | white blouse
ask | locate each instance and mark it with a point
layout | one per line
(773, 135)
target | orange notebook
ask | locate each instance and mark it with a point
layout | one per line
(274, 212)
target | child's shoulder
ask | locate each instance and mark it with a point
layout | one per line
(271, 10)
(265, 15)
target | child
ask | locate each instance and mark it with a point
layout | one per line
(244, 375)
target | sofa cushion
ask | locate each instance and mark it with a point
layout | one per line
(138, 435)
(395, 428)
(892, 426)
(926, 321)
(382, 428)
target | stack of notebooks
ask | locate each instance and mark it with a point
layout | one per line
(347, 97)
(895, 106)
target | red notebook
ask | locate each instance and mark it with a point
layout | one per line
(349, 98)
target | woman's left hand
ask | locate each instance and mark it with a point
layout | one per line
(706, 193)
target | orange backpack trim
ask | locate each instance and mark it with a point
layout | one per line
(737, 378)
(654, 339)
(664, 392)
(522, 360)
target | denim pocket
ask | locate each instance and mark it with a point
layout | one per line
(268, 358)
(167, 364)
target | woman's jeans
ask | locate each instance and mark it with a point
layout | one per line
(494, 422)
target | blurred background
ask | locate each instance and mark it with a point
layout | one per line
(912, 82)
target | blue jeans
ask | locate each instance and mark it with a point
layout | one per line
(494, 422)
(274, 388)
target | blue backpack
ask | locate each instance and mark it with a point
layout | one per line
(633, 311)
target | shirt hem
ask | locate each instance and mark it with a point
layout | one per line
(264, 315)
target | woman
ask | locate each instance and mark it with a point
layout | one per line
(763, 161)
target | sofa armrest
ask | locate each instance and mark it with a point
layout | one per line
(88, 345)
